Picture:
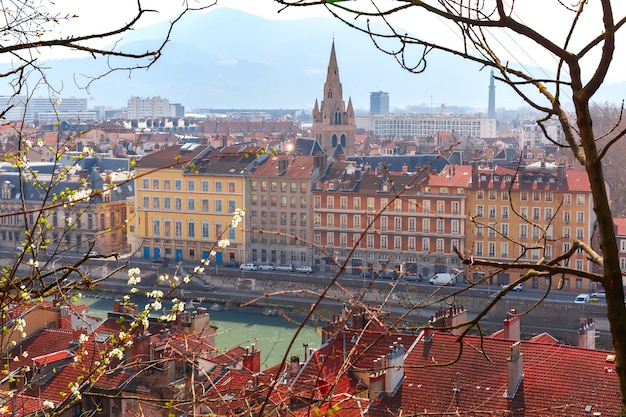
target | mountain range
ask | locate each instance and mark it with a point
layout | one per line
(227, 58)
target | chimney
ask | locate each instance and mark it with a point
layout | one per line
(394, 368)
(474, 174)
(294, 365)
(512, 325)
(514, 371)
(252, 360)
(561, 173)
(405, 168)
(457, 315)
(587, 334)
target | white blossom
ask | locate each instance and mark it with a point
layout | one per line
(117, 353)
(48, 404)
(133, 276)
(223, 243)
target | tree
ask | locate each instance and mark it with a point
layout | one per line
(579, 48)
(41, 211)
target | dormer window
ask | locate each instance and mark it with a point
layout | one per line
(539, 179)
(508, 178)
(483, 177)
(496, 178)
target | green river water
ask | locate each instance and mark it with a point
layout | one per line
(243, 327)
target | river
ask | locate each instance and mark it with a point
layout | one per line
(243, 327)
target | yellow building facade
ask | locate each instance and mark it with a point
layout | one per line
(186, 196)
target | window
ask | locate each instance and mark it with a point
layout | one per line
(492, 194)
(383, 222)
(479, 248)
(370, 241)
(455, 227)
(397, 224)
(411, 224)
(425, 244)
(191, 204)
(146, 202)
(548, 213)
(218, 186)
(330, 239)
(397, 205)
(356, 203)
(411, 243)
(536, 231)
(491, 249)
(504, 249)
(283, 201)
(536, 196)
(178, 185)
(330, 220)
(232, 206)
(579, 264)
(492, 212)
(566, 232)
(440, 226)
(491, 231)
(455, 244)
(205, 230)
(523, 212)
(580, 199)
(536, 213)
(567, 216)
(505, 212)
(455, 208)
(622, 245)
(330, 202)
(167, 184)
(273, 186)
(580, 233)
(383, 203)
(439, 245)
(523, 231)
(217, 205)
(505, 195)
(317, 201)
(156, 203)
(232, 187)
(479, 211)
(523, 196)
(580, 216)
(480, 195)
(205, 205)
(397, 242)
(343, 202)
(441, 207)
(167, 228)
(191, 229)
(356, 221)
(622, 263)
(425, 225)
(155, 184)
(548, 196)
(412, 205)
(263, 185)
(479, 230)
(343, 240)
(317, 220)
(145, 183)
(191, 185)
(343, 221)
(167, 203)
(426, 206)
(178, 204)
(178, 228)
(303, 187)
(156, 227)
(504, 229)
(205, 186)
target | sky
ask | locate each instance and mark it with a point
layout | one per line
(550, 20)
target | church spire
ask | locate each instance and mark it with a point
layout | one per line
(333, 69)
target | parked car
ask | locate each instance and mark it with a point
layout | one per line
(582, 299)
(368, 274)
(442, 279)
(518, 287)
(266, 267)
(599, 294)
(249, 266)
(285, 268)
(388, 275)
(305, 269)
(160, 260)
(231, 264)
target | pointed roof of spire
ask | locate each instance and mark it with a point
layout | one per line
(333, 68)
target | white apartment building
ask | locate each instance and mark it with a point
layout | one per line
(147, 108)
(531, 136)
(45, 109)
(423, 125)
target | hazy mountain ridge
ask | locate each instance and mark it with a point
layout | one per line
(227, 58)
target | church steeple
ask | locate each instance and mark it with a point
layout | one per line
(334, 124)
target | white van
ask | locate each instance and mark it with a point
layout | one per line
(582, 299)
(442, 278)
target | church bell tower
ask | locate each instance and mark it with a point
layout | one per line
(333, 123)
